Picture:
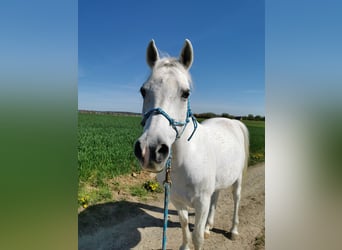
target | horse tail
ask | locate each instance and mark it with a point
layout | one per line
(246, 144)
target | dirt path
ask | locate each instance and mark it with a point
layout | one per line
(133, 225)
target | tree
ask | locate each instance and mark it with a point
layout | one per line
(250, 117)
(226, 115)
(257, 118)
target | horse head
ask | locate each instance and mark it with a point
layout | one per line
(166, 110)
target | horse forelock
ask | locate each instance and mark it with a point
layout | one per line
(173, 67)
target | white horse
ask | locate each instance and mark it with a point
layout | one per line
(205, 159)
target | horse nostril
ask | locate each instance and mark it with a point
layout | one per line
(150, 153)
(163, 149)
(162, 152)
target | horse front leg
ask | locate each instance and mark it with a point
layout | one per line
(201, 215)
(184, 221)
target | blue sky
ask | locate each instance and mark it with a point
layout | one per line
(227, 37)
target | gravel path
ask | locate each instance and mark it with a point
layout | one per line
(135, 225)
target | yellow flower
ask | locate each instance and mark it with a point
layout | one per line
(85, 205)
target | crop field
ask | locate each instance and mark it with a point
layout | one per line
(105, 146)
(105, 149)
(256, 141)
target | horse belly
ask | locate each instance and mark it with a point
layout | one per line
(226, 178)
(228, 146)
(229, 166)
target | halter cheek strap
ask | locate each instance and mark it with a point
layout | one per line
(174, 124)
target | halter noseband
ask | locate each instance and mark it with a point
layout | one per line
(174, 124)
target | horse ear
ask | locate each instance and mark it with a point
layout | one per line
(187, 55)
(152, 54)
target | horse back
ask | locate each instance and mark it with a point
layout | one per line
(224, 129)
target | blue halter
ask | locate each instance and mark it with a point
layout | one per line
(174, 124)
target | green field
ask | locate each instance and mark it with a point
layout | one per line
(105, 149)
(105, 145)
(256, 141)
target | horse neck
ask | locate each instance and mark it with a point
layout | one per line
(181, 146)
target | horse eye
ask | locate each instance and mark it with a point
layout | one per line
(142, 91)
(186, 94)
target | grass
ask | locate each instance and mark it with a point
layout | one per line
(105, 146)
(105, 150)
(138, 191)
(88, 195)
(256, 141)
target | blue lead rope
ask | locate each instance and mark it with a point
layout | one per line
(167, 186)
(167, 183)
(166, 210)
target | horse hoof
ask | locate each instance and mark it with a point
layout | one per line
(233, 236)
(206, 234)
(184, 248)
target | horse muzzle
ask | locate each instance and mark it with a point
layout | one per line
(151, 157)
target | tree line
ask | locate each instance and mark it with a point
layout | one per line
(250, 117)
